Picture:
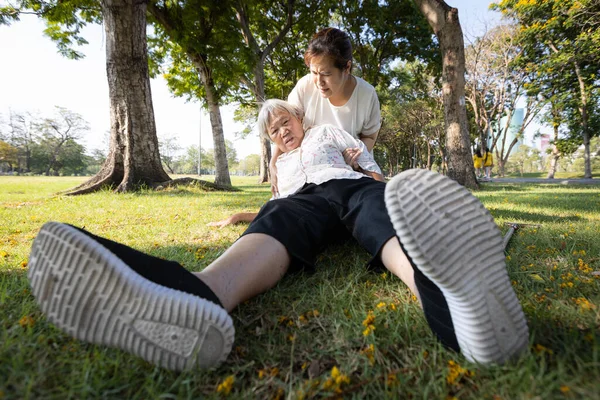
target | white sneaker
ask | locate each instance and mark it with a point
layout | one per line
(453, 241)
(94, 296)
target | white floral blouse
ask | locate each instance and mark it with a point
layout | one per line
(319, 159)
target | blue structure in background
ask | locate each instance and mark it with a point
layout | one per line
(515, 125)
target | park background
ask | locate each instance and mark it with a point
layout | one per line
(342, 332)
(36, 79)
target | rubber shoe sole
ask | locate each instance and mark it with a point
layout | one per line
(453, 241)
(92, 295)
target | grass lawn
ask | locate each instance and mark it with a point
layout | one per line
(304, 339)
(558, 175)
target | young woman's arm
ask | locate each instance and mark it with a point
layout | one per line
(369, 140)
(374, 175)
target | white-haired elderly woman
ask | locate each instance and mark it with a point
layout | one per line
(178, 319)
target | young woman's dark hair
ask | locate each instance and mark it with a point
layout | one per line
(333, 43)
(478, 152)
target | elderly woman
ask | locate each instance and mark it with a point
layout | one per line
(104, 292)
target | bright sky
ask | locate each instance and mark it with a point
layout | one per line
(34, 77)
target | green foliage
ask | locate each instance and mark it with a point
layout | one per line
(231, 152)
(191, 34)
(558, 38)
(64, 20)
(524, 159)
(250, 165)
(48, 145)
(567, 145)
(8, 155)
(283, 64)
(8, 14)
(412, 133)
(168, 148)
(51, 157)
(382, 32)
(576, 160)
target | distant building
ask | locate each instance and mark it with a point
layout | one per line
(515, 125)
(544, 142)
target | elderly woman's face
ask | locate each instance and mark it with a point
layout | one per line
(285, 130)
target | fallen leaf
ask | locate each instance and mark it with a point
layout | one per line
(536, 277)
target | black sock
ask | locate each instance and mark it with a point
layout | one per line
(436, 310)
(435, 307)
(162, 272)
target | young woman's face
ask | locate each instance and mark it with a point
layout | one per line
(285, 131)
(328, 79)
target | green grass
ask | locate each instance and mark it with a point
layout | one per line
(283, 348)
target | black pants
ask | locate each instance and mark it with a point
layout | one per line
(306, 222)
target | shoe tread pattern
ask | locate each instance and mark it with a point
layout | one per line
(92, 295)
(454, 241)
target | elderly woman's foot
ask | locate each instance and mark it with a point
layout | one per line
(106, 293)
(460, 273)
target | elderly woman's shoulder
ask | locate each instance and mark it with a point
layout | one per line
(322, 129)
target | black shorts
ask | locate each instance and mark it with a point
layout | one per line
(306, 222)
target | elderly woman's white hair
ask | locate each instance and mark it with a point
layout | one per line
(270, 108)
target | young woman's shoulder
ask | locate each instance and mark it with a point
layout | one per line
(304, 83)
(364, 86)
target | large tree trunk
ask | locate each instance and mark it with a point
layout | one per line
(446, 26)
(133, 159)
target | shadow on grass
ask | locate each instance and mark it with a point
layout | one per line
(511, 187)
(246, 194)
(533, 218)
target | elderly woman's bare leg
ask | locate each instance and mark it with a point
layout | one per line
(254, 264)
(398, 264)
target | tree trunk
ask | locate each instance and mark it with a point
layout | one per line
(27, 159)
(583, 109)
(428, 155)
(501, 163)
(259, 71)
(221, 166)
(133, 159)
(265, 144)
(553, 162)
(446, 26)
(555, 152)
(199, 61)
